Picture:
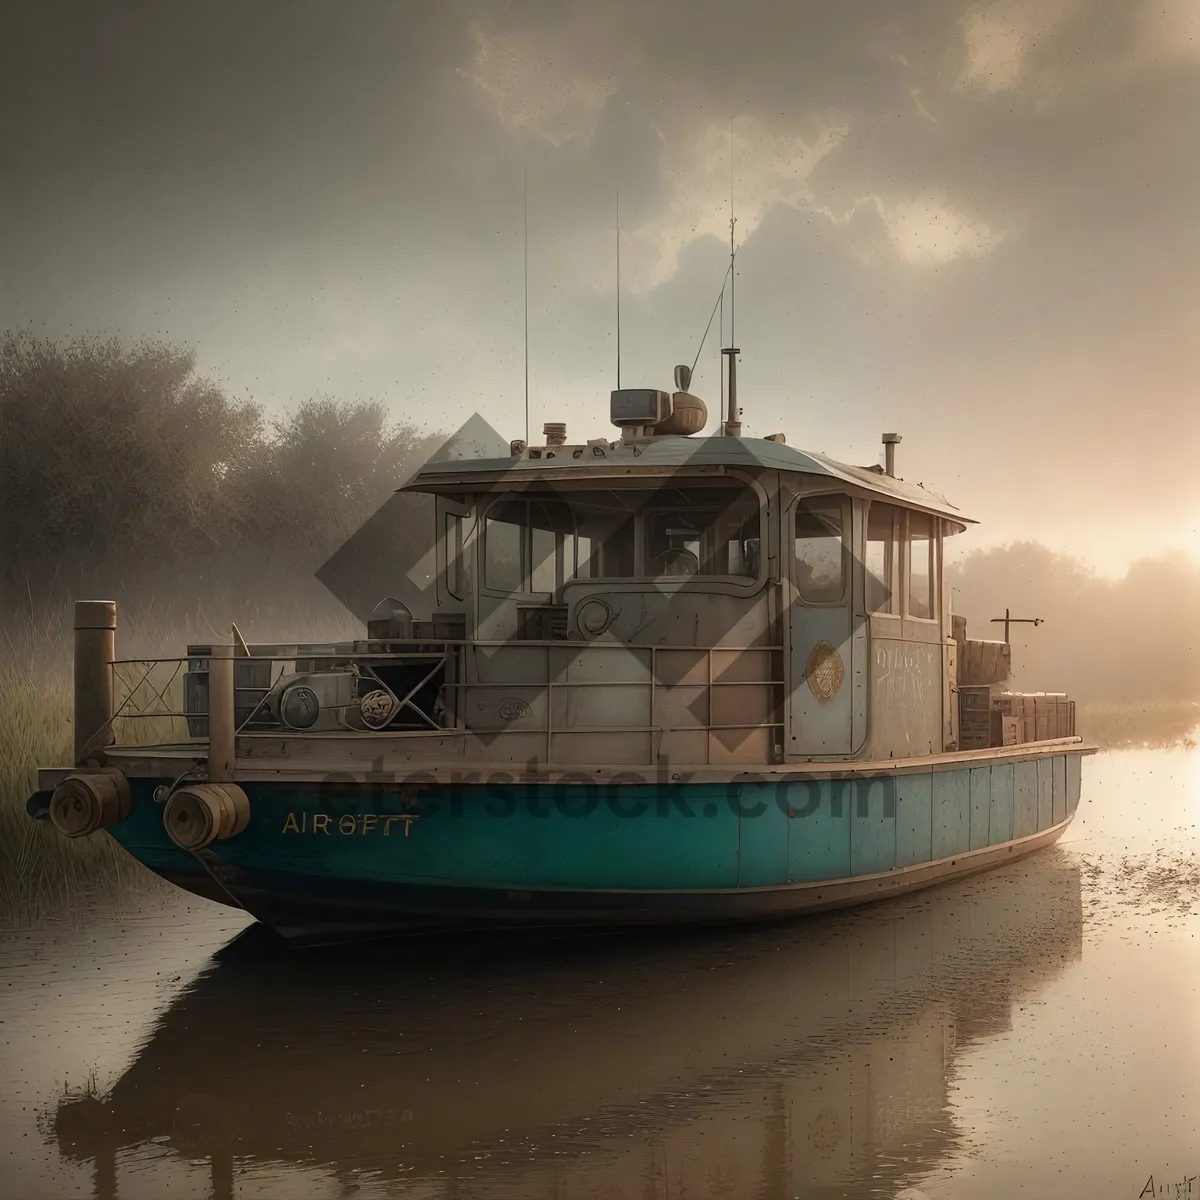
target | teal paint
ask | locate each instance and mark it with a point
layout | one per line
(873, 827)
(914, 819)
(513, 836)
(819, 840)
(1059, 768)
(1074, 769)
(142, 833)
(1000, 820)
(951, 813)
(1045, 793)
(1025, 799)
(644, 837)
(763, 837)
(981, 806)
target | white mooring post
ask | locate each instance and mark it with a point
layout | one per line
(95, 650)
(220, 715)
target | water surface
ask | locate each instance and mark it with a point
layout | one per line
(1033, 1031)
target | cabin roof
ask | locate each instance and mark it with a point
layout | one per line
(667, 453)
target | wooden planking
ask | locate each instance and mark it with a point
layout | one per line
(914, 819)
(1025, 799)
(981, 803)
(1045, 793)
(1059, 766)
(951, 813)
(873, 827)
(1000, 821)
(763, 834)
(1074, 769)
(983, 662)
(819, 832)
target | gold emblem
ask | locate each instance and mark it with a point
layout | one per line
(824, 672)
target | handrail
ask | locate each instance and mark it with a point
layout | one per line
(222, 708)
(358, 656)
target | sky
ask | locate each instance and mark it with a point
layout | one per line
(975, 224)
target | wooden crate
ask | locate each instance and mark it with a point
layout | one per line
(982, 662)
(1007, 730)
(1042, 716)
(974, 717)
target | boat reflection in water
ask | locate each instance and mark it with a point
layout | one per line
(788, 1061)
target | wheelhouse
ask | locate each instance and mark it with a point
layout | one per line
(728, 600)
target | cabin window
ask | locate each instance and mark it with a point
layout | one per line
(454, 555)
(502, 542)
(820, 549)
(668, 532)
(882, 544)
(529, 546)
(698, 538)
(921, 545)
(545, 549)
(612, 536)
(583, 557)
(536, 545)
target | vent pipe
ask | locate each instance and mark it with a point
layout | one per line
(889, 453)
(733, 416)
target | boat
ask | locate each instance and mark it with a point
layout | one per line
(655, 678)
(754, 1062)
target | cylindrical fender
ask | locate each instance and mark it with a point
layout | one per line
(90, 800)
(200, 813)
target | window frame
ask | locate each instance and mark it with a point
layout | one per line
(935, 557)
(455, 568)
(743, 584)
(847, 534)
(896, 561)
(527, 502)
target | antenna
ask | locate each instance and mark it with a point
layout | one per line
(527, 303)
(733, 419)
(618, 289)
(732, 268)
(721, 365)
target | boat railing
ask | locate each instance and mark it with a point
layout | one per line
(556, 700)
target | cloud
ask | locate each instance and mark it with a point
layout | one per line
(928, 231)
(1001, 38)
(748, 165)
(963, 218)
(550, 81)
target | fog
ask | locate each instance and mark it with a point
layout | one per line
(973, 223)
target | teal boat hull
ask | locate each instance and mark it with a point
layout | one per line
(332, 861)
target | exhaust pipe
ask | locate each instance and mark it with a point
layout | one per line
(890, 441)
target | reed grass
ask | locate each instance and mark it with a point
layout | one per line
(43, 874)
(41, 871)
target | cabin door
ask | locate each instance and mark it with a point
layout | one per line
(820, 708)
